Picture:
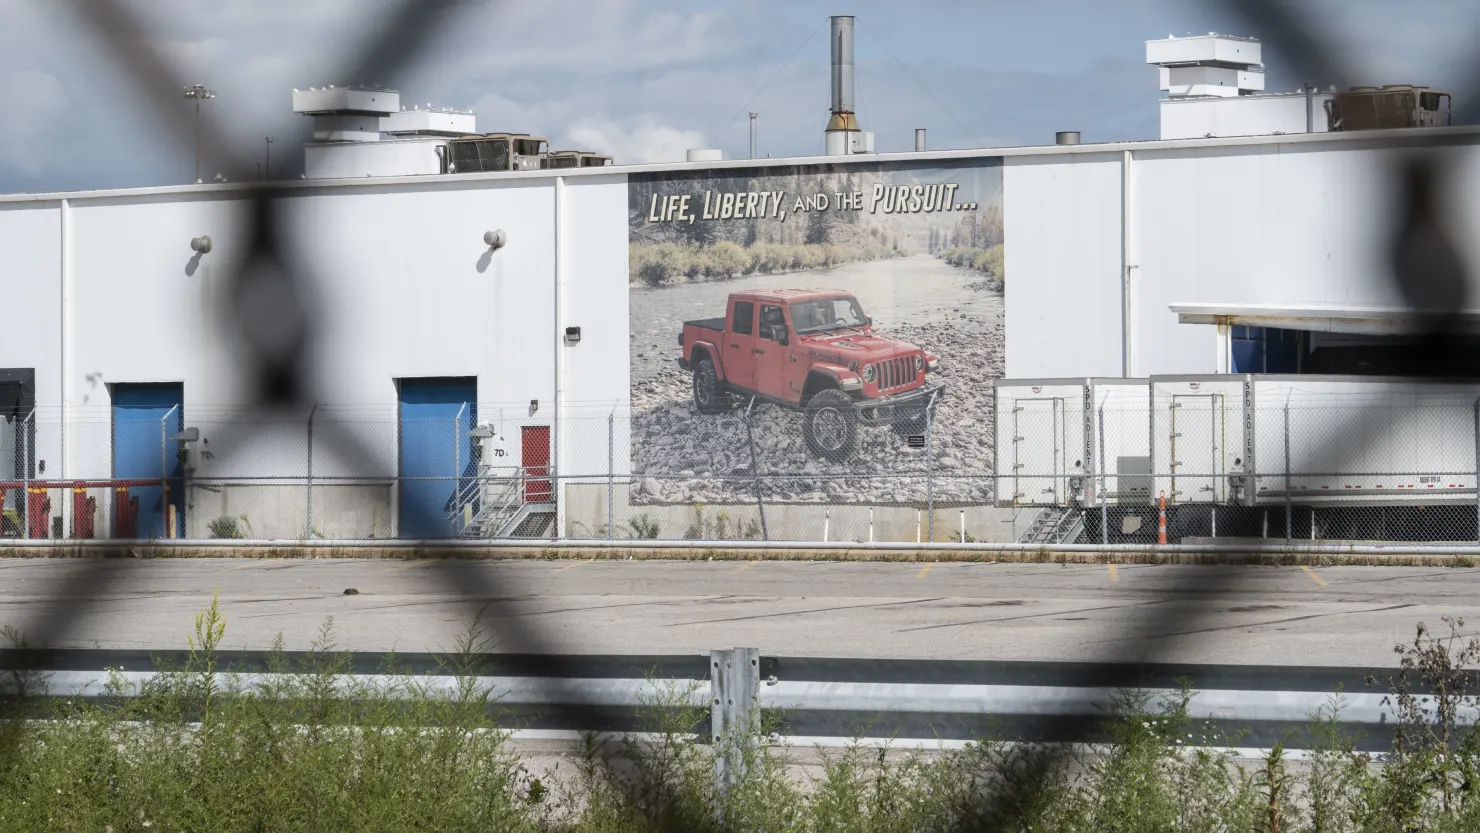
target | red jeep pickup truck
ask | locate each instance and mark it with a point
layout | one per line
(815, 350)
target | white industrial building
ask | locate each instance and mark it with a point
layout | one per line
(1130, 259)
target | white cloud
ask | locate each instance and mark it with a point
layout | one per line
(645, 140)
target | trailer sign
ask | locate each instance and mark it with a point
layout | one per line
(1429, 478)
(917, 440)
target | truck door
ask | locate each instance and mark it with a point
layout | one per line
(772, 375)
(739, 345)
(1198, 438)
(1039, 445)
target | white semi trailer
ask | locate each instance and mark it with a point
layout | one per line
(1055, 435)
(1349, 458)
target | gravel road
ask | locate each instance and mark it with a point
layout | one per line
(682, 456)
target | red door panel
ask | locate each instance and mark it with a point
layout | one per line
(534, 457)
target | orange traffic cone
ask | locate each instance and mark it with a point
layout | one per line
(1161, 520)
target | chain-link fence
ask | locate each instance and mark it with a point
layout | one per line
(1120, 461)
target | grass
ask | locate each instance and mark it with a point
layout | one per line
(322, 751)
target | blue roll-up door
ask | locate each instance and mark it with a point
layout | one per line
(142, 450)
(436, 453)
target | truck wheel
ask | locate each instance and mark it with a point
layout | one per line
(707, 394)
(831, 426)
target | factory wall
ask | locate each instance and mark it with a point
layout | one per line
(402, 286)
(1063, 287)
(405, 287)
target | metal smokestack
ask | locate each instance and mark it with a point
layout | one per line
(843, 124)
(919, 140)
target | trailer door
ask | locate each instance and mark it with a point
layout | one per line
(1198, 437)
(1038, 469)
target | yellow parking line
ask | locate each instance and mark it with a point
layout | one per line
(1312, 573)
(1113, 576)
(573, 566)
(739, 570)
(925, 569)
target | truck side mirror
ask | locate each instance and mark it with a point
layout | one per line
(778, 334)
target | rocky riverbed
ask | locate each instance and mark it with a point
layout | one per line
(682, 456)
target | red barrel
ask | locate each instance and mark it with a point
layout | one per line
(83, 510)
(38, 512)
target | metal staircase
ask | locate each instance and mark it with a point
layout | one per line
(1055, 525)
(500, 503)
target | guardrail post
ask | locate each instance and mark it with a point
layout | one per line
(734, 721)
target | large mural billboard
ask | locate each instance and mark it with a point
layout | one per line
(798, 326)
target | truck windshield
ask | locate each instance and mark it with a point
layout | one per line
(827, 314)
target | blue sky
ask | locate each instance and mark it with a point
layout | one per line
(645, 79)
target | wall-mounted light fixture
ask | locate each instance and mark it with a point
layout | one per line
(188, 435)
(201, 244)
(495, 239)
(572, 335)
(534, 405)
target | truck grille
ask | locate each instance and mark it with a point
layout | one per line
(896, 373)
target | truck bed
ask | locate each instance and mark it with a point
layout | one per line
(717, 324)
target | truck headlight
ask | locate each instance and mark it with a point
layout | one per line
(919, 362)
(868, 373)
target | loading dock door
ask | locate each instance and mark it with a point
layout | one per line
(141, 449)
(436, 453)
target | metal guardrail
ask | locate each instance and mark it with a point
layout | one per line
(909, 701)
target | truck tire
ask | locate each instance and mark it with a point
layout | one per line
(708, 397)
(830, 425)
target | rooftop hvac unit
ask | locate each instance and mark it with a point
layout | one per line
(494, 152)
(561, 159)
(1390, 107)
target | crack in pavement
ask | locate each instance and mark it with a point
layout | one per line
(1031, 616)
(803, 612)
(1304, 618)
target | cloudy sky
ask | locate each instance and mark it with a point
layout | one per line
(646, 79)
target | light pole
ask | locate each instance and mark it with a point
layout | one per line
(198, 93)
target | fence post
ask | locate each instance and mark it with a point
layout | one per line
(1100, 474)
(1477, 471)
(27, 452)
(871, 524)
(826, 522)
(308, 533)
(734, 720)
(164, 471)
(930, 464)
(611, 482)
(1289, 505)
(755, 472)
(457, 496)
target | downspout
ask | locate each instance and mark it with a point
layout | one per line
(1128, 363)
(65, 372)
(556, 439)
